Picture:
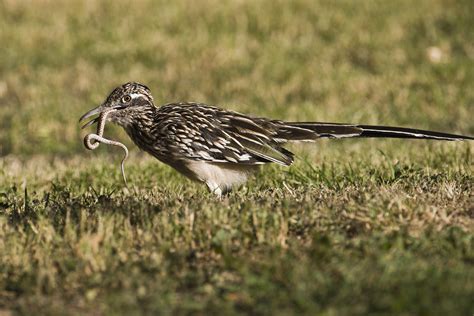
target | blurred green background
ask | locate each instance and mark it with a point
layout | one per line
(353, 227)
(350, 61)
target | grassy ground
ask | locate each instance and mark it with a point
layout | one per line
(353, 227)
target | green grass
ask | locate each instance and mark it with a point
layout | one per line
(353, 227)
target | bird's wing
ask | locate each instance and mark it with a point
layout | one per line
(257, 137)
(205, 133)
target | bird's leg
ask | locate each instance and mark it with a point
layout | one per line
(214, 188)
(92, 141)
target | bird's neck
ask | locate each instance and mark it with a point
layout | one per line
(138, 124)
(140, 118)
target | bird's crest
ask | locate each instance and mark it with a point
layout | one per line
(130, 88)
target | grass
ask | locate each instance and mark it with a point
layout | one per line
(353, 227)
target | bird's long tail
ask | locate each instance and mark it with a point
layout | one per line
(308, 131)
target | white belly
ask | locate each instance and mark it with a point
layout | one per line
(220, 177)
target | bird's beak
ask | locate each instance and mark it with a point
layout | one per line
(92, 112)
(98, 110)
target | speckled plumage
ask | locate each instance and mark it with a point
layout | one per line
(219, 147)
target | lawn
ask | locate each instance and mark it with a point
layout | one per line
(352, 227)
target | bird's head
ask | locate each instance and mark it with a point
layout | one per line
(123, 104)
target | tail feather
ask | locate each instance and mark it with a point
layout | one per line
(307, 131)
(402, 132)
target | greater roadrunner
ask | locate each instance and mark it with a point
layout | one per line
(219, 147)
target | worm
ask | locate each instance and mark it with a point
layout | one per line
(92, 141)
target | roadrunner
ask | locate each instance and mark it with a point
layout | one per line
(218, 147)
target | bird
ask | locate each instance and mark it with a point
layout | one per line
(219, 147)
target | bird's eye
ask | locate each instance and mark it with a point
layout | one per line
(126, 99)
